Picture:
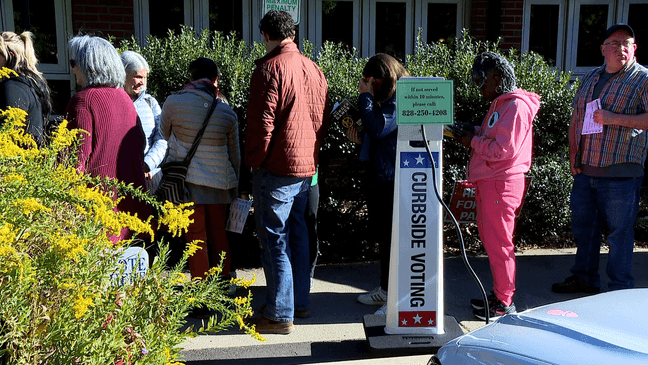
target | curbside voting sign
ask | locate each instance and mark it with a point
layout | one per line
(289, 6)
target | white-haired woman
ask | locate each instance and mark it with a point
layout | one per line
(149, 111)
(27, 91)
(115, 144)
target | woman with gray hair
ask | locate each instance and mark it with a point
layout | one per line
(114, 145)
(149, 111)
(500, 157)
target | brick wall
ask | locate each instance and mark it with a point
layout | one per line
(510, 22)
(104, 17)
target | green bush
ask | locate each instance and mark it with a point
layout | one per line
(342, 212)
(60, 301)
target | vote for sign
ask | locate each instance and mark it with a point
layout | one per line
(463, 203)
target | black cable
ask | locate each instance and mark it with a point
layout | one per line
(464, 256)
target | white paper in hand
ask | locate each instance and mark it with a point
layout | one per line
(589, 126)
(239, 210)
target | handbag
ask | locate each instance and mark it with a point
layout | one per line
(174, 173)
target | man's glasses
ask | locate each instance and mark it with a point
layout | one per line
(616, 44)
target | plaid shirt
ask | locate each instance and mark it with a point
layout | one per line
(625, 93)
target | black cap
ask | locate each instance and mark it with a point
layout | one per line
(618, 26)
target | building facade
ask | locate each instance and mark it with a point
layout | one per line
(566, 32)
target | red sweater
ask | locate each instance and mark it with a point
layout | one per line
(115, 144)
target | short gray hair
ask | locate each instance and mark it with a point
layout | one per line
(98, 61)
(133, 62)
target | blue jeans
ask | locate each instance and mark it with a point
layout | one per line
(280, 208)
(612, 201)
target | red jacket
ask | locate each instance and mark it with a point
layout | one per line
(287, 114)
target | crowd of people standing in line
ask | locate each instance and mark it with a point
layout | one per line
(130, 135)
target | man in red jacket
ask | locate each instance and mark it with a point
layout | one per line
(286, 123)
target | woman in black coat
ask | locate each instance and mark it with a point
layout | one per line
(27, 91)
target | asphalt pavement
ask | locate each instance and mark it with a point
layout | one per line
(334, 333)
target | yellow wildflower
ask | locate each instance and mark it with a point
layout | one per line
(15, 177)
(240, 300)
(6, 72)
(30, 205)
(242, 282)
(192, 247)
(135, 224)
(213, 271)
(70, 246)
(81, 305)
(63, 137)
(191, 300)
(176, 217)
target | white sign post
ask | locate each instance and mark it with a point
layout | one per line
(291, 7)
(415, 303)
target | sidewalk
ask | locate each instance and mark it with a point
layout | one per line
(335, 334)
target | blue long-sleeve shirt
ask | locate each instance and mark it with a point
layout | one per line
(380, 135)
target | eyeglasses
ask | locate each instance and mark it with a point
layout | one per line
(616, 44)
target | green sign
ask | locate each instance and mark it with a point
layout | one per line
(289, 6)
(424, 100)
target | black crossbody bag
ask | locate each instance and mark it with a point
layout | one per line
(174, 173)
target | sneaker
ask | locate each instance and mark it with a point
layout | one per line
(374, 297)
(265, 326)
(574, 284)
(382, 310)
(496, 310)
(479, 303)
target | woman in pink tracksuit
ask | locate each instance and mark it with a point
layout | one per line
(500, 157)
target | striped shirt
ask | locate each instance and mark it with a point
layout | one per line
(625, 93)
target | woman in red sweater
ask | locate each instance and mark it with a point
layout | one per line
(114, 145)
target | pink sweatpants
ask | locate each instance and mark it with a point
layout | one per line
(497, 202)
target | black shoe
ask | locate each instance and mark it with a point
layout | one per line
(496, 310)
(479, 303)
(574, 284)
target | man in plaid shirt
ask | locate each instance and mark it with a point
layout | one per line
(607, 163)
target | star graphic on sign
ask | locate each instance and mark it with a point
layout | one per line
(406, 162)
(417, 319)
(404, 322)
(430, 322)
(419, 159)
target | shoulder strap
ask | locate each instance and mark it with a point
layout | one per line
(196, 142)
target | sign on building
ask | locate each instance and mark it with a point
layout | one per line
(291, 7)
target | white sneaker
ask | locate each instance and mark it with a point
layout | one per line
(382, 310)
(374, 297)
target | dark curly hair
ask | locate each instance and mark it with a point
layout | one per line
(278, 25)
(487, 61)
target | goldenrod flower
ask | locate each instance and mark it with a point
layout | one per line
(30, 205)
(81, 305)
(176, 217)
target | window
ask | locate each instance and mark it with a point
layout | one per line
(636, 17)
(226, 16)
(543, 30)
(440, 20)
(338, 22)
(165, 15)
(388, 28)
(589, 20)
(50, 21)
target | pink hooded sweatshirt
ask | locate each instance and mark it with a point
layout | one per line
(501, 147)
